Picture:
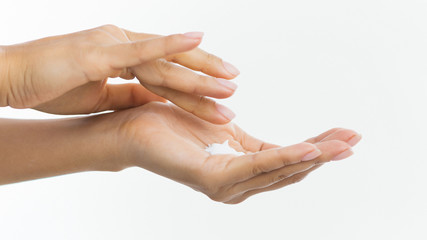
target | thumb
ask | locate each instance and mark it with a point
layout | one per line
(123, 96)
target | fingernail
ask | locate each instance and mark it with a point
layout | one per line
(347, 153)
(312, 155)
(354, 140)
(227, 83)
(227, 113)
(230, 68)
(194, 35)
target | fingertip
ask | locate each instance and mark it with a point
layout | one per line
(354, 139)
(194, 35)
(223, 89)
(191, 39)
(179, 43)
(225, 112)
(227, 84)
(231, 69)
(312, 155)
(308, 151)
(334, 150)
(345, 154)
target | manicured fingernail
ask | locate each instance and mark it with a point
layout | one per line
(227, 113)
(230, 68)
(312, 155)
(354, 140)
(347, 153)
(194, 35)
(227, 83)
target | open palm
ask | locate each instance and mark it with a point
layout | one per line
(169, 141)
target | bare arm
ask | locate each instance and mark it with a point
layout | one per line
(32, 149)
(153, 137)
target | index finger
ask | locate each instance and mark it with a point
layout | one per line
(196, 59)
(133, 53)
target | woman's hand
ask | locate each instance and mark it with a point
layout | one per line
(68, 74)
(169, 141)
(166, 140)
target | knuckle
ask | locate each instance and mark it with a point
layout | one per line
(94, 58)
(163, 69)
(319, 160)
(109, 27)
(284, 155)
(256, 167)
(201, 82)
(201, 104)
(141, 49)
(279, 178)
(210, 59)
(295, 179)
(168, 41)
(256, 170)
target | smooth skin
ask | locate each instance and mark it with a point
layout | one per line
(166, 140)
(68, 74)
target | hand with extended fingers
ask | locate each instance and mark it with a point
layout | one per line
(68, 74)
(169, 141)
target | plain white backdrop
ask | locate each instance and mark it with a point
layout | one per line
(306, 66)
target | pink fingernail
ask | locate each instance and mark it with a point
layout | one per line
(354, 140)
(227, 83)
(347, 153)
(194, 35)
(312, 155)
(227, 113)
(230, 68)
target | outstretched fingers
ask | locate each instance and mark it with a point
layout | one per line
(270, 167)
(285, 182)
(329, 150)
(346, 135)
(195, 59)
(251, 165)
(166, 74)
(200, 60)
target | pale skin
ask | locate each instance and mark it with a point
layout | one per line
(165, 138)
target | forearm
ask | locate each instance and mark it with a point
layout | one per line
(3, 76)
(32, 149)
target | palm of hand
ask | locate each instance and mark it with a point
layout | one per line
(166, 140)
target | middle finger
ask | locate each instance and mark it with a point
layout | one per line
(163, 73)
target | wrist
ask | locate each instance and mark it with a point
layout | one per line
(97, 136)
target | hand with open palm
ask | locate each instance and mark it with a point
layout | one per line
(164, 139)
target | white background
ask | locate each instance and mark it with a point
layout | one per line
(306, 66)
